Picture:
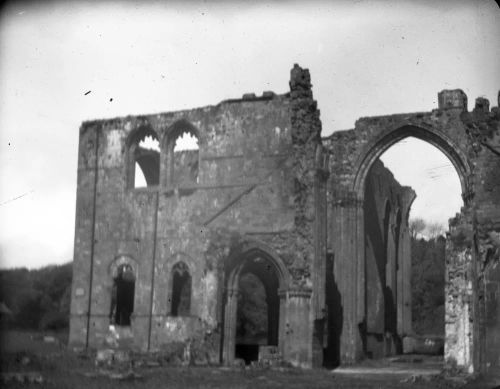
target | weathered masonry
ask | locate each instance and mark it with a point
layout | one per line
(319, 222)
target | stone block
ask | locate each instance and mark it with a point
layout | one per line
(482, 105)
(455, 98)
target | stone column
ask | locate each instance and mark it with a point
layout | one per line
(349, 271)
(459, 324)
(404, 283)
(272, 301)
(229, 342)
(297, 327)
(390, 280)
(405, 326)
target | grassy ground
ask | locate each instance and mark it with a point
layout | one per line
(63, 368)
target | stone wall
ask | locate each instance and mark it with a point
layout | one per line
(253, 182)
(388, 265)
(240, 187)
(264, 186)
(459, 295)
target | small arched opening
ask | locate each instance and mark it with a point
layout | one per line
(122, 296)
(180, 297)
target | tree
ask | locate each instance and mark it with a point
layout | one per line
(417, 226)
(38, 298)
(434, 230)
(428, 282)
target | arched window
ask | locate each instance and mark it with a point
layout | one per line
(183, 154)
(122, 296)
(144, 159)
(180, 300)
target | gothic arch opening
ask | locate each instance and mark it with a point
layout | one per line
(122, 296)
(143, 167)
(182, 154)
(252, 306)
(388, 243)
(439, 140)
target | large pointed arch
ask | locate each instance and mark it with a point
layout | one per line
(251, 249)
(380, 144)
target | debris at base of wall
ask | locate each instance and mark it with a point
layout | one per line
(423, 344)
(49, 339)
(104, 357)
(238, 362)
(418, 378)
(22, 377)
(114, 375)
(446, 379)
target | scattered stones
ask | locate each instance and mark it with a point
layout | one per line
(49, 339)
(121, 356)
(238, 362)
(22, 377)
(153, 364)
(114, 374)
(104, 357)
(25, 360)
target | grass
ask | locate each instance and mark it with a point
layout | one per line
(64, 368)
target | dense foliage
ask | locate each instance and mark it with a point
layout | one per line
(38, 299)
(252, 310)
(428, 281)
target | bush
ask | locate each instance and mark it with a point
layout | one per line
(39, 298)
(54, 320)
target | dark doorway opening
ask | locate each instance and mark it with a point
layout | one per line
(181, 290)
(257, 316)
(122, 298)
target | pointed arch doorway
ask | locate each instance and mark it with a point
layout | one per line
(254, 270)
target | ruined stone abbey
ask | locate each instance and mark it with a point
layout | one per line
(319, 222)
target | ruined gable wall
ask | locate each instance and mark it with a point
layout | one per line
(257, 182)
(241, 144)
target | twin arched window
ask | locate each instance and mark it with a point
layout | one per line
(123, 292)
(180, 155)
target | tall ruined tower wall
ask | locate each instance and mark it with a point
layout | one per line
(252, 198)
(243, 185)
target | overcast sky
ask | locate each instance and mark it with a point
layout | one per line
(366, 58)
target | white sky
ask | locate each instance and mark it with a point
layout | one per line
(366, 58)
